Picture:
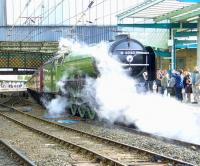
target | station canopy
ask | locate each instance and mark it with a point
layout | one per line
(157, 17)
(159, 10)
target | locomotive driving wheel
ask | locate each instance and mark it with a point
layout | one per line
(85, 108)
(74, 109)
(91, 114)
(81, 110)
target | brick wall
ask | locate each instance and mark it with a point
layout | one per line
(187, 56)
(190, 56)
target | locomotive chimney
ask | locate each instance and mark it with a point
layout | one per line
(122, 36)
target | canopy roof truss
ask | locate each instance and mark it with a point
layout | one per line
(162, 10)
(38, 47)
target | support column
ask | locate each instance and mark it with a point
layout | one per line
(3, 13)
(173, 52)
(198, 43)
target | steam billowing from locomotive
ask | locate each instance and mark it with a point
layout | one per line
(112, 92)
(118, 100)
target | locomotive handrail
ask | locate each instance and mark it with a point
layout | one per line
(135, 51)
(135, 64)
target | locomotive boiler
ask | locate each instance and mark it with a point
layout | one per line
(72, 69)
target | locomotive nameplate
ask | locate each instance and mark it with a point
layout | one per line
(131, 52)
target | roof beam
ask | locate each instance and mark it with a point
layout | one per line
(189, 1)
(185, 34)
(176, 12)
(186, 16)
(160, 25)
(185, 41)
(138, 8)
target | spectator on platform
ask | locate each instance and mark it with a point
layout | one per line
(195, 84)
(164, 81)
(172, 82)
(187, 84)
(178, 85)
(158, 80)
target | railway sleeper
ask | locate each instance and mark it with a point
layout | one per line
(154, 159)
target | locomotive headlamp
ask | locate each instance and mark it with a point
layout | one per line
(129, 58)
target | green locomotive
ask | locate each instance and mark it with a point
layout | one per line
(70, 70)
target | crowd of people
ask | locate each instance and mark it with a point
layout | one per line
(183, 85)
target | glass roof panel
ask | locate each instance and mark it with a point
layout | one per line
(153, 9)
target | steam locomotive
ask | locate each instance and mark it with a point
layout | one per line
(72, 68)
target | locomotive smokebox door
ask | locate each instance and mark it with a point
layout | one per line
(132, 54)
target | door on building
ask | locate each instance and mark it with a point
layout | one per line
(180, 63)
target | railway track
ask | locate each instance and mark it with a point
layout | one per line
(104, 150)
(191, 145)
(14, 100)
(11, 157)
(194, 146)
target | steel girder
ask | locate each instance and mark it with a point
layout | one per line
(185, 34)
(186, 16)
(177, 12)
(161, 25)
(21, 56)
(42, 47)
(138, 8)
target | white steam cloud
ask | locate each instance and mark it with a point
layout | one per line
(56, 107)
(114, 96)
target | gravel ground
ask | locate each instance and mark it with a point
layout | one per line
(145, 142)
(152, 144)
(39, 149)
(5, 158)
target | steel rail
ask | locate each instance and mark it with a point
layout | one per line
(78, 148)
(191, 145)
(156, 156)
(17, 156)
